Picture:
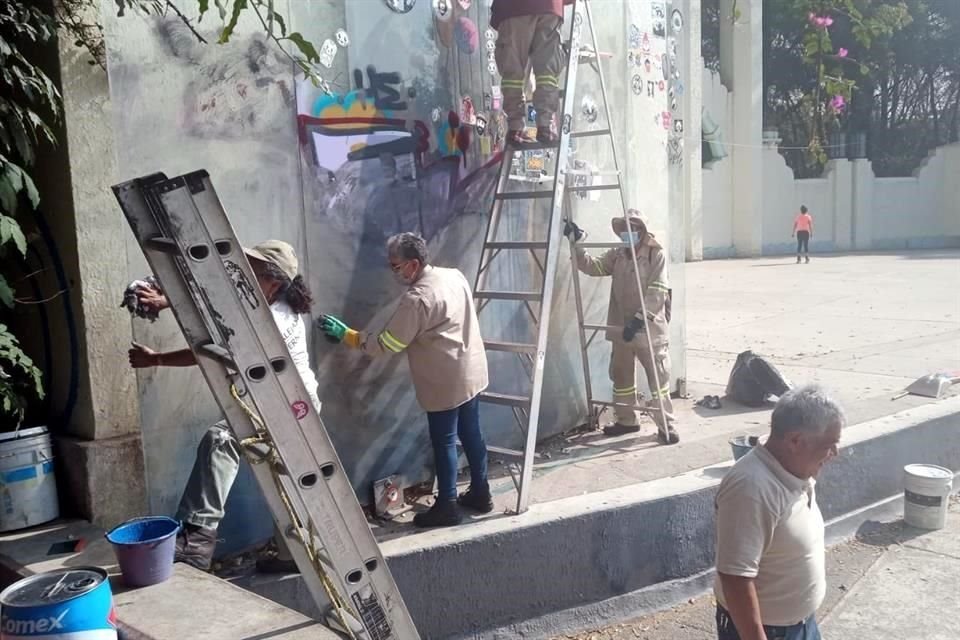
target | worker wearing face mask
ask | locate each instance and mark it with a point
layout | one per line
(630, 343)
(436, 324)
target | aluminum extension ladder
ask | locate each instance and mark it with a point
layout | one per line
(526, 408)
(194, 253)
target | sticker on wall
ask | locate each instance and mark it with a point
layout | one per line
(676, 21)
(497, 96)
(342, 38)
(468, 114)
(659, 15)
(645, 43)
(589, 110)
(464, 4)
(665, 66)
(328, 51)
(661, 85)
(300, 409)
(567, 123)
(480, 122)
(442, 10)
(637, 84)
(492, 67)
(666, 119)
(651, 87)
(633, 36)
(678, 126)
(401, 6)
(491, 45)
(647, 65)
(436, 114)
(466, 35)
(490, 34)
(678, 87)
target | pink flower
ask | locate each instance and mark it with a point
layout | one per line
(842, 53)
(821, 22)
(837, 103)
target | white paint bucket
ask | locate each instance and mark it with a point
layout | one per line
(925, 496)
(28, 488)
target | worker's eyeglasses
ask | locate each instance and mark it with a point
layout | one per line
(397, 268)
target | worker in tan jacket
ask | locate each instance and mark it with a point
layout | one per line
(625, 310)
(436, 324)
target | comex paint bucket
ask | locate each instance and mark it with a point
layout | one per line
(926, 489)
(28, 489)
(65, 604)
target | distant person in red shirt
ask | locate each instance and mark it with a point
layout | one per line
(803, 229)
(528, 34)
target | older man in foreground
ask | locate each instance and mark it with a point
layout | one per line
(770, 534)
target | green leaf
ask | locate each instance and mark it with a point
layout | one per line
(10, 230)
(6, 293)
(306, 47)
(32, 194)
(203, 5)
(238, 7)
(8, 195)
(279, 20)
(221, 8)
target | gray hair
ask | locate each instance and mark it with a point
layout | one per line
(808, 409)
(409, 246)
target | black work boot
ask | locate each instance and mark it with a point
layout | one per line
(619, 429)
(480, 501)
(668, 435)
(195, 546)
(441, 514)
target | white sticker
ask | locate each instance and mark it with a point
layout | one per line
(342, 38)
(464, 4)
(436, 114)
(490, 34)
(442, 10)
(401, 6)
(328, 51)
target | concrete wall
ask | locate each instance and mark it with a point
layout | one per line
(852, 208)
(277, 150)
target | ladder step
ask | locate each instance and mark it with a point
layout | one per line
(164, 245)
(601, 327)
(528, 296)
(511, 347)
(524, 195)
(636, 407)
(516, 244)
(595, 187)
(503, 452)
(590, 133)
(505, 399)
(600, 245)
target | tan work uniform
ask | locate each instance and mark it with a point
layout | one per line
(624, 304)
(528, 34)
(436, 324)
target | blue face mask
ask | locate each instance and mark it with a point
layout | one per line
(629, 238)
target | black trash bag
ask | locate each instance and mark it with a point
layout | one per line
(753, 380)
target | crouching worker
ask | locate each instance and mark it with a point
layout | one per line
(630, 344)
(218, 456)
(436, 324)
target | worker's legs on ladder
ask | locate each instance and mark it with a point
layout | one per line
(623, 375)
(477, 496)
(659, 363)
(443, 437)
(205, 496)
(547, 58)
(512, 53)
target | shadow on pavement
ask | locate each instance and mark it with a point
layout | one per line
(884, 534)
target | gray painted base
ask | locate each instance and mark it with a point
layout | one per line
(592, 559)
(828, 246)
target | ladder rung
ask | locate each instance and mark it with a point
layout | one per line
(505, 399)
(595, 187)
(600, 245)
(529, 296)
(164, 245)
(601, 327)
(218, 353)
(636, 407)
(524, 195)
(503, 452)
(515, 244)
(511, 347)
(590, 133)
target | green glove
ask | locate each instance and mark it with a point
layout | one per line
(333, 327)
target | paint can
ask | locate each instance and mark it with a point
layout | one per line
(926, 495)
(28, 488)
(63, 604)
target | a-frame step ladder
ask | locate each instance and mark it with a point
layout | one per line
(544, 252)
(194, 253)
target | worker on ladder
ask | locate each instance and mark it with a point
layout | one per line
(626, 310)
(528, 35)
(219, 453)
(436, 325)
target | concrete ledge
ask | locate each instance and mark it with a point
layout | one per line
(581, 561)
(87, 476)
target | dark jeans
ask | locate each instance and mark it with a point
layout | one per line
(806, 630)
(803, 241)
(445, 427)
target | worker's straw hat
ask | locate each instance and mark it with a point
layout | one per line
(638, 222)
(278, 253)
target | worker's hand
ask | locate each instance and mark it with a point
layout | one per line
(333, 328)
(635, 325)
(152, 299)
(142, 357)
(570, 228)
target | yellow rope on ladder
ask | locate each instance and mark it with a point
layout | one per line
(340, 604)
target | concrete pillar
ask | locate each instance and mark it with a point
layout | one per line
(741, 69)
(861, 233)
(692, 100)
(101, 471)
(843, 211)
